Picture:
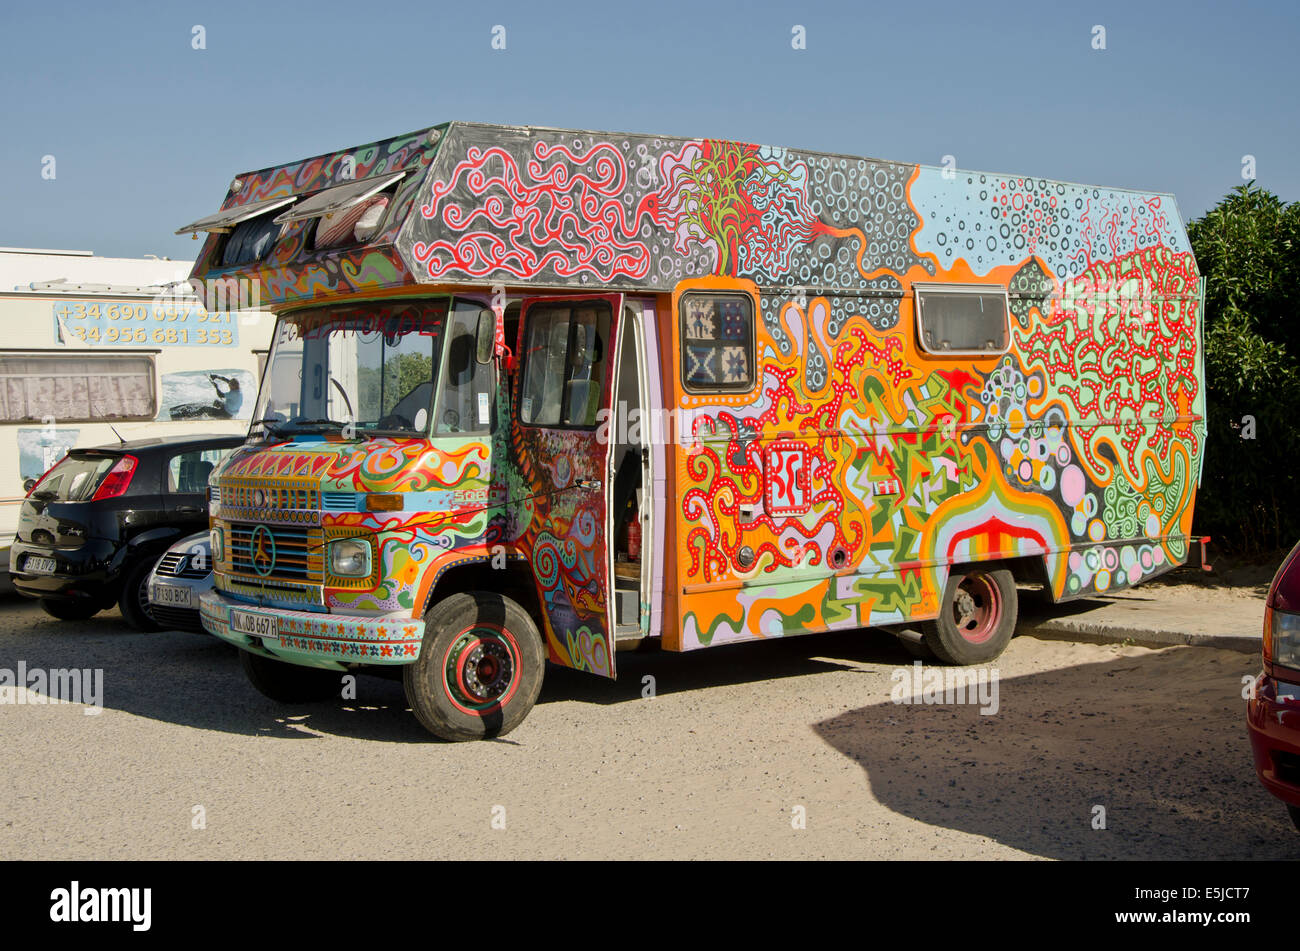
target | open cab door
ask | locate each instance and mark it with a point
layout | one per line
(566, 348)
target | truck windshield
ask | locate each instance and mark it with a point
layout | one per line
(364, 368)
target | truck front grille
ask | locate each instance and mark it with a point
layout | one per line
(270, 552)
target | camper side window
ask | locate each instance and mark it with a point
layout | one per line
(564, 364)
(717, 334)
(961, 319)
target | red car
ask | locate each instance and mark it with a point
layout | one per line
(1273, 710)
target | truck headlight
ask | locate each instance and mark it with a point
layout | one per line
(218, 538)
(1282, 638)
(350, 558)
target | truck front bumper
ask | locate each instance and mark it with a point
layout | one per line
(310, 639)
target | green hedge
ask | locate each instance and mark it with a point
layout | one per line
(1248, 248)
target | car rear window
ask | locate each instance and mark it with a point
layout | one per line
(74, 479)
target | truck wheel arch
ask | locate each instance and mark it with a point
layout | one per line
(514, 581)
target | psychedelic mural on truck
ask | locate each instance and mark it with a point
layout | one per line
(839, 487)
(1080, 446)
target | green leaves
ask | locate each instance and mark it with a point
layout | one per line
(1247, 248)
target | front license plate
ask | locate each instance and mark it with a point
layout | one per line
(168, 595)
(40, 566)
(259, 625)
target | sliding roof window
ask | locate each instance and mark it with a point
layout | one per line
(962, 318)
(564, 363)
(717, 332)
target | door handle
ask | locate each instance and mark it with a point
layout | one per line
(189, 509)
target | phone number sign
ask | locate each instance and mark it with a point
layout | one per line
(110, 323)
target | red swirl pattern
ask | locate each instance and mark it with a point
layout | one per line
(557, 216)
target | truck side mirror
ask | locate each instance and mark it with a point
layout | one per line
(485, 336)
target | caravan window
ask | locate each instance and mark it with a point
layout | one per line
(717, 333)
(962, 318)
(76, 388)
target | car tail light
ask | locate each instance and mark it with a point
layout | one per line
(117, 481)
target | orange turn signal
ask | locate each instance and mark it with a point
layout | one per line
(383, 502)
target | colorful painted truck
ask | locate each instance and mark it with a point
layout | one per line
(536, 394)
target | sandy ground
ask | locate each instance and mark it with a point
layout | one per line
(1220, 608)
(713, 766)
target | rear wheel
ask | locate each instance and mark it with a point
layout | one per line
(289, 683)
(480, 668)
(134, 599)
(976, 619)
(67, 610)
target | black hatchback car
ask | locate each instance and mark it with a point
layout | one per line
(92, 528)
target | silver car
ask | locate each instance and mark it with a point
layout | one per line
(177, 581)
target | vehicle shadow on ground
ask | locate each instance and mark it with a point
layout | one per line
(672, 673)
(195, 680)
(1133, 735)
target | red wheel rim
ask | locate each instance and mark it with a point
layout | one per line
(977, 608)
(480, 671)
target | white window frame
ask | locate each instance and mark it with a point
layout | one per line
(105, 360)
(919, 291)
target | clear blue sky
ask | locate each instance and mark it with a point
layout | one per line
(147, 132)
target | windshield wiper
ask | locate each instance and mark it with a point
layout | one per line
(318, 422)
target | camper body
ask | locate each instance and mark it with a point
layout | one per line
(555, 392)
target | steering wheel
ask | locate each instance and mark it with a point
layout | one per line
(395, 421)
(451, 419)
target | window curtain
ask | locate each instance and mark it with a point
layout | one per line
(76, 388)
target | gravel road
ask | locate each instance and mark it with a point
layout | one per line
(736, 744)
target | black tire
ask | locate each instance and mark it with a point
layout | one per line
(480, 668)
(133, 602)
(976, 619)
(69, 610)
(290, 683)
(1295, 815)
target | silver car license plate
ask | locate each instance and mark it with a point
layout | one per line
(171, 596)
(40, 566)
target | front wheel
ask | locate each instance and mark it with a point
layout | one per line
(480, 668)
(976, 619)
